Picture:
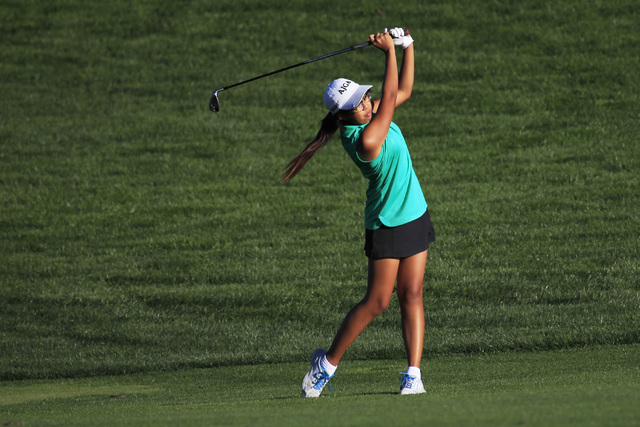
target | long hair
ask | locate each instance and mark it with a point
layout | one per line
(328, 128)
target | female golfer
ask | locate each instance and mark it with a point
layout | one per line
(397, 225)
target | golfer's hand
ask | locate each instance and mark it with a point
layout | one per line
(382, 41)
(400, 37)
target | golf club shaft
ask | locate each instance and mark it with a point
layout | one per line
(214, 103)
(308, 61)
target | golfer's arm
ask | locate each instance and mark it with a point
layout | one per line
(405, 79)
(374, 135)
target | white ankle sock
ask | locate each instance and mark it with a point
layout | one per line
(327, 366)
(414, 371)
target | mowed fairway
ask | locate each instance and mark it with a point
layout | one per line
(147, 247)
(597, 386)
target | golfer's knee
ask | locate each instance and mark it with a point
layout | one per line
(376, 306)
(410, 295)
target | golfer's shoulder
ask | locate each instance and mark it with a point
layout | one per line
(351, 133)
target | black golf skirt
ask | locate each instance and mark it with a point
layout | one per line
(402, 241)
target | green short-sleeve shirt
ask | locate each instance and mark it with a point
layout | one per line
(394, 196)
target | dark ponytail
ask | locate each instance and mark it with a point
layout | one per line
(330, 125)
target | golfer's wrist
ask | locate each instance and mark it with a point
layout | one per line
(408, 42)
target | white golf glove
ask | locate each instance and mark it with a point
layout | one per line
(400, 37)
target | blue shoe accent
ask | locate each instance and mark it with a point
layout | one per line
(322, 378)
(411, 384)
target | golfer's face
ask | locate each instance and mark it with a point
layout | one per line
(362, 113)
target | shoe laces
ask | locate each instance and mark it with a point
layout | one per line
(322, 379)
(407, 380)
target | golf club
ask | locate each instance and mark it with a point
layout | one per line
(214, 102)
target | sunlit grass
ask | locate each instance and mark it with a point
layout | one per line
(140, 232)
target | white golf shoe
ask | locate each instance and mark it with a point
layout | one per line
(411, 384)
(315, 380)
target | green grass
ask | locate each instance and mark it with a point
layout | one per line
(595, 386)
(140, 233)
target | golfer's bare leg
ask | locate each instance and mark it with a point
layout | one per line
(381, 281)
(410, 279)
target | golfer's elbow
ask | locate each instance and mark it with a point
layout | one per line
(403, 95)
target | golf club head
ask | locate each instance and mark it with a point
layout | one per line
(214, 103)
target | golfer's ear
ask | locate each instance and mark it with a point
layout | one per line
(342, 116)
